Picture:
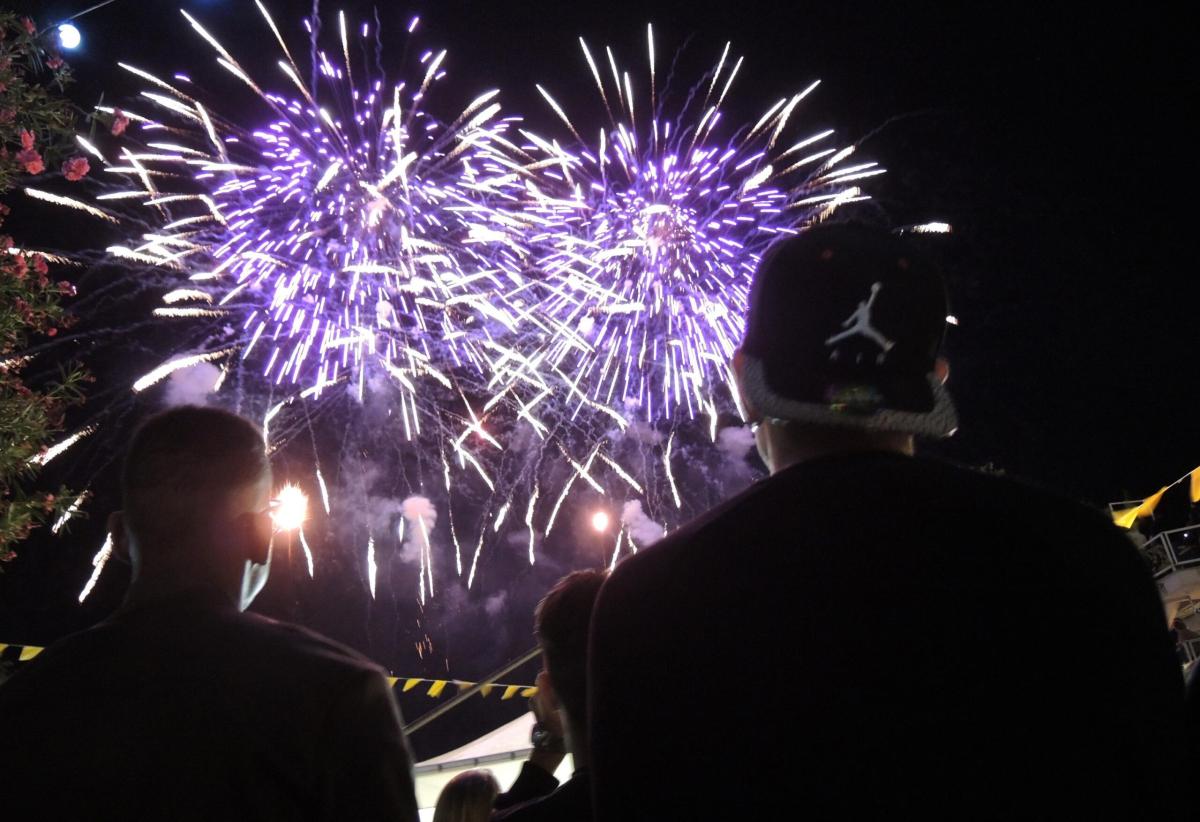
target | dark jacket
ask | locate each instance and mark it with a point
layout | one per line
(187, 709)
(533, 782)
(873, 632)
(571, 802)
(1191, 723)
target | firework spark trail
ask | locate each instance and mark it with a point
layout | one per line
(371, 567)
(71, 511)
(69, 202)
(420, 517)
(98, 563)
(475, 559)
(616, 549)
(308, 554)
(670, 473)
(324, 490)
(529, 522)
(59, 447)
(167, 368)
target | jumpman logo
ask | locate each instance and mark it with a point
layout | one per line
(859, 324)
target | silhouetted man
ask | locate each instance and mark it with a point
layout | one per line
(561, 623)
(869, 632)
(181, 706)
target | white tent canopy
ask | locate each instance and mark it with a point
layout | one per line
(502, 751)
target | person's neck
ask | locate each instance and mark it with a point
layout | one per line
(175, 587)
(787, 448)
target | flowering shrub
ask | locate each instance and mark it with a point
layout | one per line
(36, 135)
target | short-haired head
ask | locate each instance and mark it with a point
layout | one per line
(186, 469)
(561, 622)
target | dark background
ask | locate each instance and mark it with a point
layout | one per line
(1051, 137)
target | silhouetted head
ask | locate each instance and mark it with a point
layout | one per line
(468, 797)
(196, 490)
(561, 622)
(841, 345)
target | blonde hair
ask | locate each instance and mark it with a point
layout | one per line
(467, 797)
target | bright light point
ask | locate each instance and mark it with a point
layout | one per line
(69, 36)
(600, 521)
(933, 228)
(291, 508)
(953, 320)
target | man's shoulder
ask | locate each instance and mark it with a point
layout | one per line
(570, 802)
(806, 499)
(294, 643)
(203, 644)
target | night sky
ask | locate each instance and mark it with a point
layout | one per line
(1052, 139)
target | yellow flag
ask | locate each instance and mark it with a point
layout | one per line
(529, 692)
(1196, 485)
(437, 687)
(1126, 517)
(392, 680)
(411, 683)
(486, 689)
(1151, 502)
(510, 691)
(29, 652)
(2, 647)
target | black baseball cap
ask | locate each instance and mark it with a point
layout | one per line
(844, 327)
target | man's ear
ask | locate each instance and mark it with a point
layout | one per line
(941, 369)
(546, 690)
(749, 412)
(120, 536)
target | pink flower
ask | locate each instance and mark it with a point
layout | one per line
(7, 115)
(39, 264)
(66, 289)
(76, 168)
(30, 28)
(120, 123)
(54, 63)
(26, 139)
(31, 161)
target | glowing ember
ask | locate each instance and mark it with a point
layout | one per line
(601, 521)
(290, 508)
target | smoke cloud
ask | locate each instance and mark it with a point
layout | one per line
(735, 441)
(417, 511)
(643, 530)
(494, 604)
(192, 386)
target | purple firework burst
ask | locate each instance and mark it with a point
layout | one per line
(351, 229)
(649, 235)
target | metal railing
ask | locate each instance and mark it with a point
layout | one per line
(1171, 551)
(1189, 651)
